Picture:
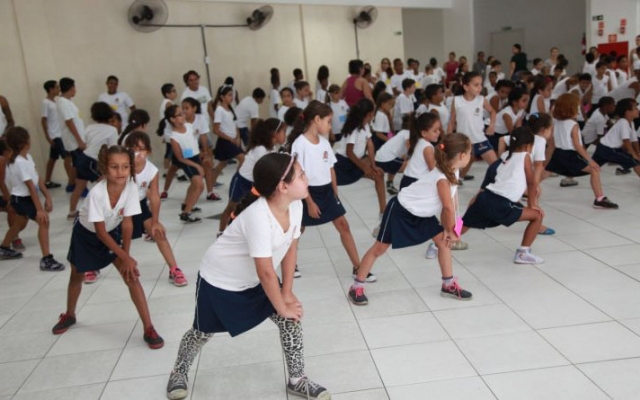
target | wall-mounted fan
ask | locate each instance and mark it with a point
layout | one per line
(260, 17)
(363, 19)
(148, 15)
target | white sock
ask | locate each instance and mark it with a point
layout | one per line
(293, 381)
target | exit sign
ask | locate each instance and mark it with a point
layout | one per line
(597, 18)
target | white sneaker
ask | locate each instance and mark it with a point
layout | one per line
(432, 251)
(526, 257)
(375, 232)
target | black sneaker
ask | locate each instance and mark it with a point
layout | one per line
(620, 171)
(153, 340)
(9, 254)
(308, 389)
(182, 178)
(232, 161)
(48, 263)
(357, 296)
(189, 219)
(568, 182)
(52, 185)
(63, 324)
(392, 190)
(177, 386)
(369, 279)
(297, 273)
(193, 210)
(468, 178)
(605, 203)
(454, 290)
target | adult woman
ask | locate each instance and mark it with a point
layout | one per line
(450, 67)
(355, 87)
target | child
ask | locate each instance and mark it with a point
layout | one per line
(398, 77)
(404, 104)
(339, 108)
(497, 203)
(303, 92)
(72, 127)
(248, 113)
(510, 117)
(424, 131)
(120, 102)
(138, 120)
(410, 218)
(148, 220)
(201, 93)
(622, 65)
(437, 71)
(569, 157)
(24, 200)
(538, 64)
(391, 157)
(286, 94)
(584, 91)
(52, 132)
(274, 95)
(430, 77)
(265, 138)
(102, 235)
(322, 83)
(490, 84)
(317, 159)
(540, 98)
(169, 96)
(500, 98)
(186, 155)
(382, 133)
(290, 118)
(598, 122)
(620, 144)
(297, 77)
(601, 83)
(435, 96)
(5, 198)
(238, 287)
(224, 126)
(466, 117)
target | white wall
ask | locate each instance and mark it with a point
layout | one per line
(613, 11)
(423, 35)
(458, 22)
(359, 3)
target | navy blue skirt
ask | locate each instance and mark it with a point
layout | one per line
(490, 175)
(346, 171)
(605, 154)
(491, 210)
(219, 310)
(87, 252)
(138, 219)
(239, 187)
(406, 181)
(244, 135)
(391, 167)
(86, 167)
(189, 171)
(225, 150)
(567, 163)
(377, 142)
(23, 205)
(401, 229)
(328, 203)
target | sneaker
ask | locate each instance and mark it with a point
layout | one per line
(153, 340)
(620, 171)
(296, 272)
(193, 210)
(49, 263)
(232, 161)
(64, 322)
(308, 389)
(213, 197)
(149, 238)
(375, 232)
(369, 279)
(432, 252)
(567, 182)
(164, 195)
(9, 254)
(52, 185)
(468, 178)
(459, 245)
(17, 245)
(177, 386)
(182, 178)
(189, 219)
(90, 277)
(454, 290)
(177, 277)
(526, 257)
(605, 203)
(70, 188)
(84, 193)
(392, 190)
(357, 296)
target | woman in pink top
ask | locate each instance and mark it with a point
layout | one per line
(356, 87)
(450, 67)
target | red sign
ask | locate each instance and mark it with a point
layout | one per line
(600, 24)
(623, 22)
(613, 38)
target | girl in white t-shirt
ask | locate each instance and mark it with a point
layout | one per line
(5, 198)
(303, 92)
(511, 116)
(224, 127)
(147, 180)
(266, 137)
(25, 200)
(381, 135)
(411, 218)
(620, 144)
(169, 94)
(102, 236)
(274, 94)
(286, 94)
(425, 130)
(339, 108)
(238, 287)
(540, 98)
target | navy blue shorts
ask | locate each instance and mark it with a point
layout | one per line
(87, 252)
(605, 154)
(189, 171)
(225, 150)
(377, 142)
(347, 172)
(86, 168)
(329, 205)
(494, 140)
(567, 163)
(239, 187)
(491, 210)
(57, 149)
(75, 157)
(168, 151)
(3, 202)
(219, 310)
(138, 219)
(23, 205)
(480, 148)
(244, 135)
(401, 229)
(391, 167)
(406, 181)
(490, 175)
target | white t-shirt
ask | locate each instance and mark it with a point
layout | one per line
(250, 160)
(68, 111)
(381, 123)
(187, 141)
(511, 180)
(594, 127)
(387, 81)
(534, 104)
(623, 91)
(256, 233)
(246, 111)
(97, 207)
(421, 198)
(443, 113)
(396, 80)
(224, 117)
(612, 78)
(621, 130)
(417, 165)
(421, 110)
(559, 88)
(282, 111)
(358, 138)
(501, 126)
(202, 95)
(3, 122)
(416, 77)
(439, 72)
(144, 179)
(403, 105)
(396, 147)
(120, 102)
(167, 127)
(315, 159)
(301, 104)
(600, 88)
(539, 147)
(49, 110)
(562, 133)
(22, 170)
(622, 76)
(429, 80)
(469, 119)
(589, 68)
(274, 100)
(98, 134)
(340, 111)
(321, 95)
(200, 126)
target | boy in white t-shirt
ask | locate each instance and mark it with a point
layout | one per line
(72, 128)
(200, 93)
(52, 131)
(404, 104)
(247, 113)
(120, 102)
(398, 77)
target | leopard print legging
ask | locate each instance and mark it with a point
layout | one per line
(290, 337)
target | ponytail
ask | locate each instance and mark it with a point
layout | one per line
(356, 116)
(451, 146)
(222, 91)
(417, 125)
(520, 137)
(304, 120)
(137, 118)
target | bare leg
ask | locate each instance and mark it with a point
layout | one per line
(171, 173)
(370, 257)
(193, 193)
(137, 296)
(489, 156)
(163, 246)
(43, 238)
(71, 170)
(226, 215)
(346, 238)
(216, 171)
(73, 291)
(50, 164)
(17, 224)
(535, 221)
(381, 192)
(81, 185)
(444, 255)
(596, 184)
(207, 165)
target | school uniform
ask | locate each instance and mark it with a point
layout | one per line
(594, 127)
(321, 95)
(498, 203)
(340, 111)
(282, 111)
(411, 218)
(422, 109)
(427, 80)
(380, 124)
(17, 173)
(443, 114)
(190, 150)
(534, 105)
(274, 101)
(347, 172)
(166, 136)
(559, 89)
(397, 79)
(67, 110)
(501, 129)
(600, 88)
(317, 160)
(612, 78)
(403, 105)
(610, 149)
(469, 122)
(242, 180)
(565, 160)
(143, 181)
(539, 148)
(203, 95)
(201, 128)
(416, 166)
(246, 111)
(119, 102)
(391, 155)
(96, 135)
(301, 104)
(387, 81)
(624, 91)
(86, 251)
(226, 150)
(49, 110)
(622, 77)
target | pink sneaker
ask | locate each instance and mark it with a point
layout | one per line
(177, 277)
(90, 277)
(163, 195)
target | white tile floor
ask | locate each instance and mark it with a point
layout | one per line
(566, 329)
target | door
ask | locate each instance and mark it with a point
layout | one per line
(502, 44)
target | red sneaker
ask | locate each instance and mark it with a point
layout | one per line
(154, 341)
(90, 277)
(177, 277)
(63, 324)
(163, 195)
(213, 197)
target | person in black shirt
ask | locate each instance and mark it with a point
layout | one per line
(518, 61)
